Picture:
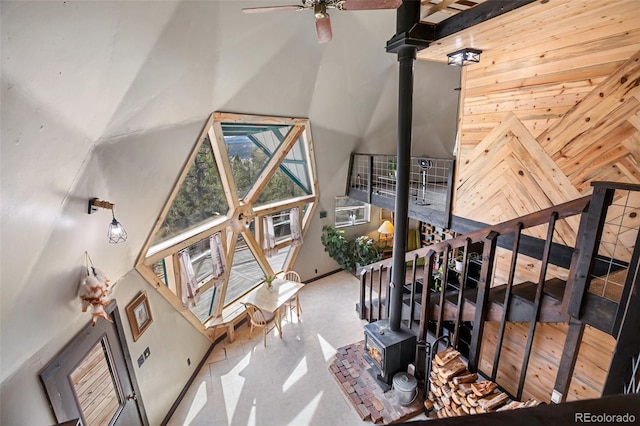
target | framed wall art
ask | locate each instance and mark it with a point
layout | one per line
(139, 315)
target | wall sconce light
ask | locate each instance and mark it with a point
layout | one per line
(464, 57)
(116, 232)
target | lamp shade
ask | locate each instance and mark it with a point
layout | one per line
(116, 232)
(386, 228)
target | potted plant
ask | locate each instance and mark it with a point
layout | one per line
(366, 251)
(393, 167)
(350, 254)
(269, 281)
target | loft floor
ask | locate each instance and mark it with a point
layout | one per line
(286, 383)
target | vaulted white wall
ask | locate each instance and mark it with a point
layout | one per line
(107, 98)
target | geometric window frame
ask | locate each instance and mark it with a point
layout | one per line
(240, 210)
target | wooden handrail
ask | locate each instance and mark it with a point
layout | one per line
(568, 209)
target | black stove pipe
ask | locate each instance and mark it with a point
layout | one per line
(408, 15)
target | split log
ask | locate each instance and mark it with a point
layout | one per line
(447, 355)
(465, 388)
(440, 414)
(483, 388)
(511, 406)
(438, 405)
(458, 411)
(456, 398)
(473, 410)
(451, 369)
(493, 401)
(531, 403)
(428, 405)
(472, 399)
(449, 412)
(467, 410)
(465, 378)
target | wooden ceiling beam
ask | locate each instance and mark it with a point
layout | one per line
(476, 15)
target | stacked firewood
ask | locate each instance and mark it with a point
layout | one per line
(455, 391)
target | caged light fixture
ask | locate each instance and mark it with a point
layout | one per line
(116, 232)
(463, 57)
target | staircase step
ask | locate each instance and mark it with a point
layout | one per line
(521, 304)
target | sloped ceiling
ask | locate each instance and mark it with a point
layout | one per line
(106, 98)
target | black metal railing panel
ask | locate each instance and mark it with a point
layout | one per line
(372, 179)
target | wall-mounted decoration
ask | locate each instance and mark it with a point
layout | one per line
(139, 314)
(93, 291)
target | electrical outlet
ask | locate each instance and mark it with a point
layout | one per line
(147, 353)
(556, 397)
(323, 214)
(140, 361)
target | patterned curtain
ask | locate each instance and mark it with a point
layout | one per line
(188, 282)
(268, 236)
(296, 232)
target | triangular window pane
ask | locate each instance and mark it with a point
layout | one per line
(250, 147)
(200, 198)
(278, 260)
(245, 272)
(291, 180)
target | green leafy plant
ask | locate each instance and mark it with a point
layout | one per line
(349, 254)
(269, 279)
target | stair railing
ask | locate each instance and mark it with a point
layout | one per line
(441, 253)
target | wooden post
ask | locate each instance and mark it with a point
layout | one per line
(507, 299)
(628, 338)
(363, 281)
(463, 282)
(569, 356)
(426, 296)
(600, 201)
(482, 298)
(537, 302)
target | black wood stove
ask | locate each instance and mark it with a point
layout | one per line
(387, 351)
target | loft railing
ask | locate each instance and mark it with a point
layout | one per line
(608, 232)
(372, 179)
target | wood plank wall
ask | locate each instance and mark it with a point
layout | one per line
(553, 105)
(593, 361)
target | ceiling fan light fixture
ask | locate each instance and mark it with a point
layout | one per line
(320, 11)
(323, 29)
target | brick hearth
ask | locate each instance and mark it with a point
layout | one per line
(349, 369)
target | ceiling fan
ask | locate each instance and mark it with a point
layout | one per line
(323, 23)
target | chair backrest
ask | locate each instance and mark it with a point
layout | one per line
(292, 276)
(256, 316)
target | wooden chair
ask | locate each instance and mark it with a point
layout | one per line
(262, 319)
(294, 302)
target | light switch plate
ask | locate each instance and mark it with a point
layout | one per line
(556, 397)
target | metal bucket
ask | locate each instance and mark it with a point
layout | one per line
(405, 388)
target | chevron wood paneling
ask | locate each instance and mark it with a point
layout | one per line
(553, 106)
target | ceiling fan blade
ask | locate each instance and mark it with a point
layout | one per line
(272, 9)
(370, 4)
(323, 29)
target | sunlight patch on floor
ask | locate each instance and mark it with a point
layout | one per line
(327, 350)
(232, 383)
(305, 415)
(251, 421)
(297, 373)
(198, 403)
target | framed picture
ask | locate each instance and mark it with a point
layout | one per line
(139, 314)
